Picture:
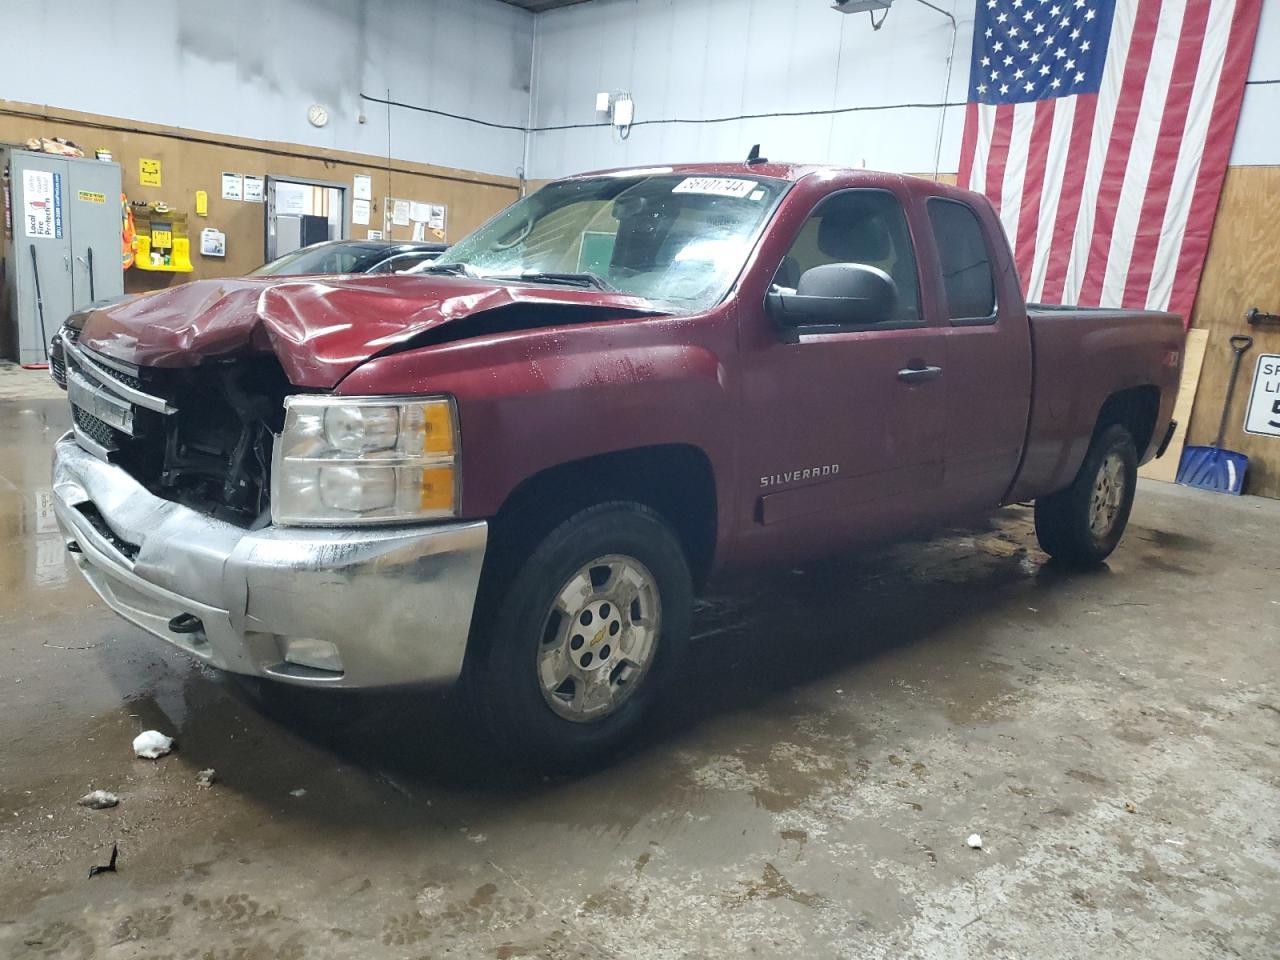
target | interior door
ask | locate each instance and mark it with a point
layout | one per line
(94, 201)
(298, 213)
(845, 425)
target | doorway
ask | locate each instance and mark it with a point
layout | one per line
(301, 212)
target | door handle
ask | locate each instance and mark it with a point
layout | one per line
(919, 374)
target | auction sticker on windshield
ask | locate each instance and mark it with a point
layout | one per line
(716, 186)
(1264, 399)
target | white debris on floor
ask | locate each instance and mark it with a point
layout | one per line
(975, 841)
(205, 778)
(152, 744)
(98, 800)
(298, 793)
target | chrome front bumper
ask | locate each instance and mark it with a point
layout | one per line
(348, 607)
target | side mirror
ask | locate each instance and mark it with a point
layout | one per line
(835, 294)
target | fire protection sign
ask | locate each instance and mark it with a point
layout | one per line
(42, 204)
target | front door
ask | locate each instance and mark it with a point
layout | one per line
(845, 427)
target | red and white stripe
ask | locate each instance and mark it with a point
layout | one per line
(1109, 198)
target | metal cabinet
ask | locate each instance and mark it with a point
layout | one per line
(61, 244)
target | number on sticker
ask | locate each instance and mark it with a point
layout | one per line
(716, 186)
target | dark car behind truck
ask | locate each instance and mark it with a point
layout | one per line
(514, 469)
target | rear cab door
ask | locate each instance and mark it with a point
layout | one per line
(988, 347)
(841, 441)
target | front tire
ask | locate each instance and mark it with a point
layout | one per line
(1082, 524)
(582, 638)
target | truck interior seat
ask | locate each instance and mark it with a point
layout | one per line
(855, 233)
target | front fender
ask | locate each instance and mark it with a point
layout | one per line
(532, 400)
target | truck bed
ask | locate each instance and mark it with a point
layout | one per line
(1081, 356)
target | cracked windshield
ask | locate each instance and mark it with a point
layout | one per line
(675, 240)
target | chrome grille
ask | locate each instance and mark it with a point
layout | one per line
(58, 368)
(97, 430)
(128, 379)
(109, 405)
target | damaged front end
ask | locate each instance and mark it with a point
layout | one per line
(200, 436)
(162, 495)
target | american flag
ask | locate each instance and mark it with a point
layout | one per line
(1101, 130)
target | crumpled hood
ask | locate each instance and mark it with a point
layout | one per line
(320, 328)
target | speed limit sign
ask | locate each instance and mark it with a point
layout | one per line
(1264, 399)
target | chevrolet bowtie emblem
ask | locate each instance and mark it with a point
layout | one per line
(598, 637)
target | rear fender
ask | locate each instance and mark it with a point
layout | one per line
(1083, 358)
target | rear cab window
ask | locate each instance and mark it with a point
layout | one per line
(965, 261)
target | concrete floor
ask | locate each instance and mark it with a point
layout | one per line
(842, 729)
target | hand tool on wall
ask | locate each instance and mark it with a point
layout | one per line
(1211, 467)
(1257, 318)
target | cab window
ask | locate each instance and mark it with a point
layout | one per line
(964, 259)
(858, 226)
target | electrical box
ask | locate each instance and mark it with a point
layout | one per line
(61, 245)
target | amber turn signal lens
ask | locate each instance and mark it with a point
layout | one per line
(437, 429)
(436, 489)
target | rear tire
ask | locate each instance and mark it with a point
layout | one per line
(1082, 524)
(582, 638)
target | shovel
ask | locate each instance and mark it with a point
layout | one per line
(1212, 468)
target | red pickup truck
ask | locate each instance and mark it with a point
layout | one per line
(514, 469)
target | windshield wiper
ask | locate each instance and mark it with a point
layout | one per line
(593, 280)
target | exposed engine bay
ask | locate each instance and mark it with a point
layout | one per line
(216, 452)
(208, 446)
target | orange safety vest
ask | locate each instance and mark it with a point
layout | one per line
(128, 235)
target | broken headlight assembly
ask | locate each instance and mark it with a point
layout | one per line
(358, 460)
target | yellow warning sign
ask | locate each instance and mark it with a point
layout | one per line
(89, 197)
(148, 172)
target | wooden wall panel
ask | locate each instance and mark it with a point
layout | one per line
(191, 161)
(1242, 271)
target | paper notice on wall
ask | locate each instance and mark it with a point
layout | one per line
(418, 212)
(375, 234)
(436, 215)
(419, 230)
(252, 189)
(213, 242)
(362, 187)
(291, 198)
(42, 204)
(360, 212)
(400, 213)
(232, 186)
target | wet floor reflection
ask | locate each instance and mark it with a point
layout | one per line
(758, 641)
